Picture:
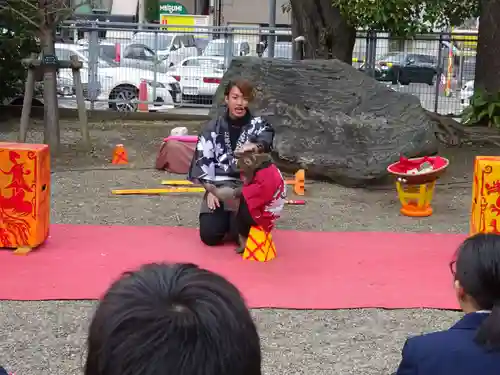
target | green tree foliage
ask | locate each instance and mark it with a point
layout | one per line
(407, 17)
(17, 38)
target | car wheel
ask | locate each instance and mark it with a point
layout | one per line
(128, 95)
(19, 101)
(404, 81)
(433, 80)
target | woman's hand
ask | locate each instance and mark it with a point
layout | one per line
(212, 201)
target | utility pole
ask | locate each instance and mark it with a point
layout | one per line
(142, 13)
(272, 25)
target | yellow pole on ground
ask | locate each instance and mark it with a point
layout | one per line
(158, 191)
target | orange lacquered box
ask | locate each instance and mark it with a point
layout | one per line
(24, 195)
(485, 210)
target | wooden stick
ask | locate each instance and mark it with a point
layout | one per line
(157, 191)
(177, 182)
(181, 190)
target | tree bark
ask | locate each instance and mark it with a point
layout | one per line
(51, 108)
(328, 36)
(488, 48)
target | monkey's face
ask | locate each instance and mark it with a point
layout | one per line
(246, 162)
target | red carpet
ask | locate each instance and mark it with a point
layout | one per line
(314, 270)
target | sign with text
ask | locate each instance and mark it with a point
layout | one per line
(172, 8)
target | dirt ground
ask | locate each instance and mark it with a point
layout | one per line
(49, 337)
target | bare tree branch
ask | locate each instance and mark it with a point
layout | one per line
(29, 3)
(65, 12)
(20, 14)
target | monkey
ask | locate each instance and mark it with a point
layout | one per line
(261, 197)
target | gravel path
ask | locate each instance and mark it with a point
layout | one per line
(49, 337)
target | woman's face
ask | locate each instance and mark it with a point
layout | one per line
(236, 103)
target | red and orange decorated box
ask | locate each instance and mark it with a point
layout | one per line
(24, 195)
(485, 211)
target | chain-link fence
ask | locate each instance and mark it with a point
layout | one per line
(158, 67)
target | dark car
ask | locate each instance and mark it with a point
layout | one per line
(406, 68)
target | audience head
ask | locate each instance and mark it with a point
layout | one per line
(238, 94)
(172, 319)
(477, 283)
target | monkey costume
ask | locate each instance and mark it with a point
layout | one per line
(262, 196)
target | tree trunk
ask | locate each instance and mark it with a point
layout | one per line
(328, 36)
(488, 48)
(51, 108)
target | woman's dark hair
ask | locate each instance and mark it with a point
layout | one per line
(172, 319)
(243, 85)
(478, 271)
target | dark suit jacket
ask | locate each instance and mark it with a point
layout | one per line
(3, 371)
(451, 352)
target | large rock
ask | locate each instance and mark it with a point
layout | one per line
(333, 120)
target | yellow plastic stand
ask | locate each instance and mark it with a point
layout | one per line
(260, 246)
(415, 199)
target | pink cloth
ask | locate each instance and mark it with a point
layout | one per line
(182, 138)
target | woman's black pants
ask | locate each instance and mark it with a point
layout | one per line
(217, 225)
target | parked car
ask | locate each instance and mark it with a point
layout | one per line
(119, 83)
(133, 55)
(406, 68)
(170, 47)
(199, 76)
(282, 50)
(466, 93)
(216, 47)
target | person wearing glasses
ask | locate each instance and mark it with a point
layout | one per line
(472, 345)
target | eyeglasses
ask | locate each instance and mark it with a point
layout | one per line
(453, 267)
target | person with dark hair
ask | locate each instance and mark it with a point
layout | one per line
(472, 345)
(220, 141)
(172, 319)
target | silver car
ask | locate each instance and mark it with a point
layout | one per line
(134, 55)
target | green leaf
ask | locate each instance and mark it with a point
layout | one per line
(491, 109)
(482, 115)
(479, 101)
(406, 17)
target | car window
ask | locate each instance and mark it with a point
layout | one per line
(214, 49)
(176, 44)
(189, 41)
(64, 54)
(138, 52)
(425, 58)
(107, 51)
(148, 39)
(84, 56)
(182, 40)
(191, 62)
(393, 57)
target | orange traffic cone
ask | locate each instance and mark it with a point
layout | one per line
(120, 155)
(143, 97)
(260, 246)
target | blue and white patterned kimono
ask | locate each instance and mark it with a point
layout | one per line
(214, 160)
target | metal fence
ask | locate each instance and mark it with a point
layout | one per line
(159, 67)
